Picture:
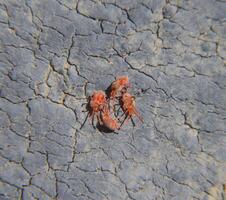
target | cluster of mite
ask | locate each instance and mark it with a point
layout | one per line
(102, 105)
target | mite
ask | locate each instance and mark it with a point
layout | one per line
(107, 120)
(96, 101)
(129, 107)
(118, 85)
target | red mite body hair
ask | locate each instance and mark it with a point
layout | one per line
(108, 121)
(101, 106)
(97, 99)
(129, 106)
(120, 83)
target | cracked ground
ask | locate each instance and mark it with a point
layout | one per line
(54, 53)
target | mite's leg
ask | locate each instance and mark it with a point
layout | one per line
(124, 113)
(117, 112)
(115, 132)
(84, 121)
(138, 116)
(111, 105)
(87, 104)
(126, 119)
(133, 122)
(87, 100)
(93, 116)
(84, 104)
(87, 107)
(99, 119)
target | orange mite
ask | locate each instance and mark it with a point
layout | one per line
(96, 101)
(129, 107)
(119, 84)
(107, 120)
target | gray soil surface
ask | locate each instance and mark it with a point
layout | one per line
(54, 53)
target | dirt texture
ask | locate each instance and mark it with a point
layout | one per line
(54, 53)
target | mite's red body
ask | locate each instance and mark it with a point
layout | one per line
(100, 105)
(129, 106)
(118, 85)
(97, 100)
(107, 120)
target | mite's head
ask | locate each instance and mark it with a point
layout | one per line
(99, 93)
(126, 95)
(99, 96)
(123, 80)
(103, 108)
